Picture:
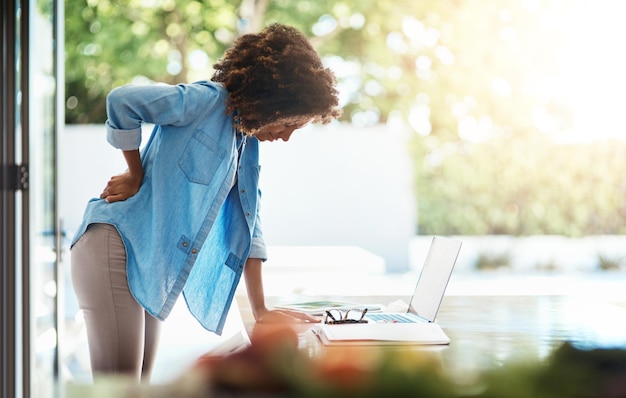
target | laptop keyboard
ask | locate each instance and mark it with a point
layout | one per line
(391, 318)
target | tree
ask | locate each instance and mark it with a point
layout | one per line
(475, 80)
(433, 64)
(113, 43)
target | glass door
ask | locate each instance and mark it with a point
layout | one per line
(45, 235)
(30, 236)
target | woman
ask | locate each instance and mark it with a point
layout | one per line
(184, 216)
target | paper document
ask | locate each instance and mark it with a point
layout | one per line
(318, 307)
(381, 334)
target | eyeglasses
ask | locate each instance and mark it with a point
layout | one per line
(354, 315)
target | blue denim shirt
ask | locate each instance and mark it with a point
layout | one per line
(195, 219)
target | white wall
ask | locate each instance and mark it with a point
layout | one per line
(328, 186)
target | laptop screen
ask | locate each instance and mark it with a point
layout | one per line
(434, 277)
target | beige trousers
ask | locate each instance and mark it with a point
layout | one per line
(122, 336)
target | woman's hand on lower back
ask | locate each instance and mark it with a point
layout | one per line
(121, 187)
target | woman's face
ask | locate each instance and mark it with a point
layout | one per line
(279, 131)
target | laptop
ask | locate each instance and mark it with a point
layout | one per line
(431, 285)
(417, 325)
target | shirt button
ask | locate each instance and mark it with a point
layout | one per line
(193, 251)
(185, 244)
(247, 214)
(243, 191)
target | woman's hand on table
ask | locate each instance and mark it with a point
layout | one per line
(285, 316)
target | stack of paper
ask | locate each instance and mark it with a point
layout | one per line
(381, 334)
(319, 307)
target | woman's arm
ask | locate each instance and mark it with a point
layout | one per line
(131, 105)
(128, 107)
(254, 286)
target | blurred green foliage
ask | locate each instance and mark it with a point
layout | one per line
(529, 186)
(479, 83)
(492, 261)
(111, 43)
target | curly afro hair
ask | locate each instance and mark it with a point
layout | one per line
(276, 76)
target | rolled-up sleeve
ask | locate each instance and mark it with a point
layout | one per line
(123, 139)
(258, 249)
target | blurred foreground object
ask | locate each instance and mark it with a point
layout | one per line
(273, 365)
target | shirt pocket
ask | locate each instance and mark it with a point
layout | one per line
(201, 158)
